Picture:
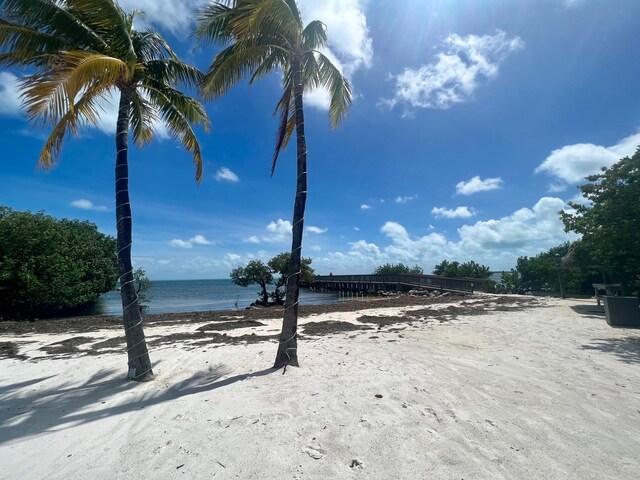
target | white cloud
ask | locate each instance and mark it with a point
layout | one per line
(557, 187)
(496, 242)
(174, 15)
(276, 232)
(350, 45)
(84, 204)
(459, 70)
(458, 212)
(406, 198)
(232, 257)
(364, 206)
(10, 104)
(312, 229)
(195, 240)
(572, 163)
(224, 174)
(357, 229)
(476, 184)
(176, 242)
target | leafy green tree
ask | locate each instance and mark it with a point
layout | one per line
(48, 266)
(83, 51)
(260, 37)
(510, 282)
(455, 269)
(610, 222)
(397, 269)
(254, 272)
(143, 288)
(275, 273)
(279, 265)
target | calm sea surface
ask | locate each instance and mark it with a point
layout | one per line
(174, 296)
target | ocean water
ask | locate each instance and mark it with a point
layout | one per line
(175, 296)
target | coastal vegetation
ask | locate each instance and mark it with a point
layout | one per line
(49, 267)
(272, 275)
(397, 269)
(84, 52)
(261, 37)
(468, 269)
(609, 221)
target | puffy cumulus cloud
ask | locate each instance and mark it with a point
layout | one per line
(350, 46)
(458, 212)
(572, 163)
(84, 204)
(476, 184)
(459, 70)
(174, 15)
(195, 240)
(524, 229)
(226, 175)
(364, 206)
(405, 199)
(312, 229)
(276, 232)
(497, 242)
(10, 103)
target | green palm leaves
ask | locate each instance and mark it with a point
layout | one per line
(84, 51)
(263, 36)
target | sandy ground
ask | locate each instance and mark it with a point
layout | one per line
(543, 391)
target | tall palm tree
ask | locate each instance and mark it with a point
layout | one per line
(262, 36)
(80, 52)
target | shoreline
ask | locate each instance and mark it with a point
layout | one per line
(484, 387)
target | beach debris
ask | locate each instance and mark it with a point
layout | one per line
(316, 454)
(378, 395)
(355, 463)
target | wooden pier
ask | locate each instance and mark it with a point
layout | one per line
(371, 284)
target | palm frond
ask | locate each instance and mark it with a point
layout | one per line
(284, 106)
(84, 111)
(53, 18)
(213, 23)
(107, 19)
(314, 35)
(143, 116)
(179, 112)
(21, 45)
(338, 86)
(230, 65)
(173, 71)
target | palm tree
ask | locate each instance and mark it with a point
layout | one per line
(79, 53)
(262, 36)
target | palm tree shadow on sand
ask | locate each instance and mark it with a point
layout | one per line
(26, 410)
(626, 349)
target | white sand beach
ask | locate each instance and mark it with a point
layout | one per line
(546, 392)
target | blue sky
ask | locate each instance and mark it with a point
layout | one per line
(473, 123)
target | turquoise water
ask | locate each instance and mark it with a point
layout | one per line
(175, 296)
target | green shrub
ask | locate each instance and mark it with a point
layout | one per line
(48, 266)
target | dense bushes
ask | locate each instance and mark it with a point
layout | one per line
(48, 266)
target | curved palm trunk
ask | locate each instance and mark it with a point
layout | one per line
(287, 348)
(139, 362)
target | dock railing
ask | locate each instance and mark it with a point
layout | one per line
(377, 282)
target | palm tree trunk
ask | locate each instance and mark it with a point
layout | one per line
(139, 362)
(287, 348)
